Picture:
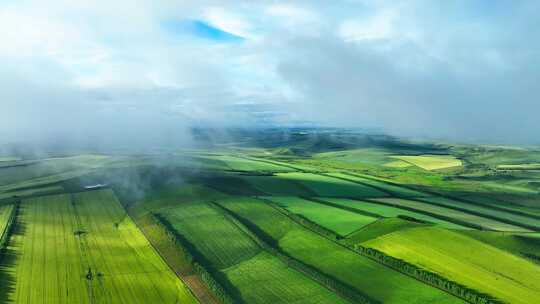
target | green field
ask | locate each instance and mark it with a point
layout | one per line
(273, 185)
(388, 211)
(431, 162)
(244, 164)
(387, 187)
(485, 210)
(332, 187)
(380, 227)
(85, 249)
(384, 285)
(340, 221)
(5, 218)
(454, 214)
(258, 277)
(466, 260)
(273, 216)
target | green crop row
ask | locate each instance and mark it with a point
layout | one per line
(195, 260)
(343, 290)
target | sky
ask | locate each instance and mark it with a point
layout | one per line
(144, 72)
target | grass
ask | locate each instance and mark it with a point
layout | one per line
(257, 276)
(378, 228)
(266, 279)
(431, 162)
(519, 167)
(5, 216)
(394, 190)
(243, 164)
(63, 241)
(278, 186)
(398, 164)
(334, 260)
(390, 212)
(219, 240)
(332, 187)
(454, 214)
(340, 221)
(33, 192)
(485, 210)
(465, 260)
(527, 245)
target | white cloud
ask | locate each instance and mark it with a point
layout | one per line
(227, 21)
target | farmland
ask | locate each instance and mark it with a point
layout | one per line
(431, 162)
(301, 219)
(84, 249)
(507, 277)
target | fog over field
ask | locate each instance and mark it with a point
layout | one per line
(103, 72)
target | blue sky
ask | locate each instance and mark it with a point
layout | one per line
(200, 29)
(442, 69)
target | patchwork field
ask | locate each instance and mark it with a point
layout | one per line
(394, 190)
(332, 187)
(453, 214)
(485, 210)
(258, 277)
(340, 221)
(388, 211)
(485, 268)
(431, 162)
(346, 266)
(85, 249)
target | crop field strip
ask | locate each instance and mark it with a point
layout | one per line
(457, 216)
(6, 218)
(332, 187)
(390, 189)
(257, 275)
(477, 265)
(385, 210)
(342, 222)
(84, 249)
(431, 162)
(342, 264)
(495, 214)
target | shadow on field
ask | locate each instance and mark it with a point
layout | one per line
(8, 260)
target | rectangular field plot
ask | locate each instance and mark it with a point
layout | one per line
(388, 211)
(466, 261)
(243, 164)
(362, 274)
(278, 186)
(85, 249)
(454, 214)
(332, 187)
(485, 210)
(338, 220)
(431, 162)
(258, 277)
(218, 239)
(393, 189)
(266, 279)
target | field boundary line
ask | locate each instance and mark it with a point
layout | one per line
(477, 297)
(341, 289)
(211, 299)
(443, 195)
(480, 214)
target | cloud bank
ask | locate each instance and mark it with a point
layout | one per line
(96, 72)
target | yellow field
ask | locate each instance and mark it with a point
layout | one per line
(466, 261)
(431, 162)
